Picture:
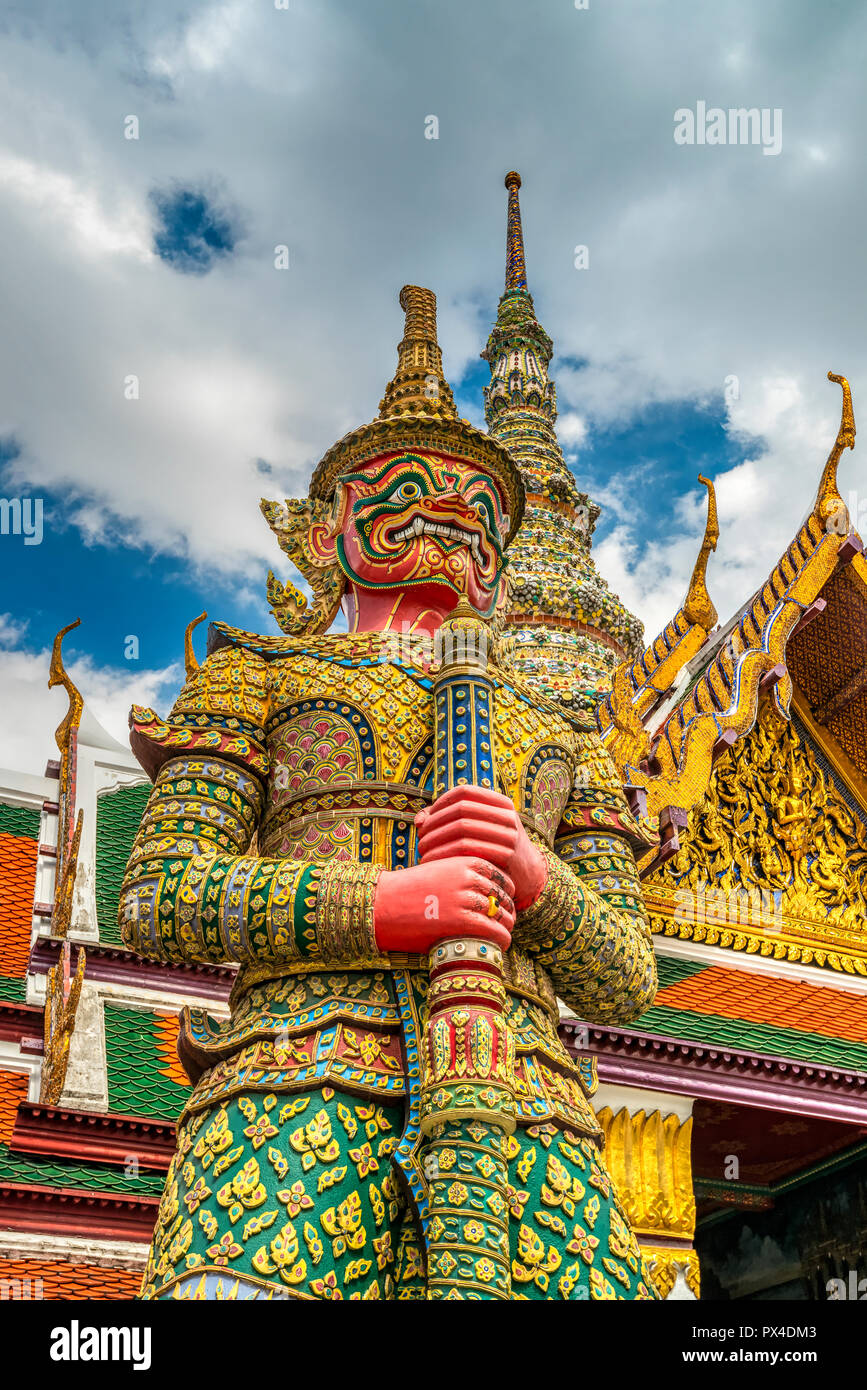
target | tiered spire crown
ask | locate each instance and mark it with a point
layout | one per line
(417, 412)
(418, 387)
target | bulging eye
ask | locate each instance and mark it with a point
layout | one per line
(408, 491)
(481, 510)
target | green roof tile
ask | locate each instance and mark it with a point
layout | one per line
(672, 969)
(136, 1065)
(60, 1172)
(739, 1035)
(118, 817)
(19, 820)
(12, 991)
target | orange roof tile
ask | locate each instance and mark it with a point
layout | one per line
(17, 884)
(13, 1089)
(166, 1037)
(58, 1279)
(834, 1013)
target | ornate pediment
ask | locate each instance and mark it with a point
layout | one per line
(774, 858)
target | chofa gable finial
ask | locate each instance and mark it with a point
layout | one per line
(829, 504)
(698, 607)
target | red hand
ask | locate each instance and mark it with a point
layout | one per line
(475, 821)
(415, 908)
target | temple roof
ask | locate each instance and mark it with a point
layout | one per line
(707, 726)
(763, 1013)
(693, 693)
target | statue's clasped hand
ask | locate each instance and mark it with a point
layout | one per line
(478, 868)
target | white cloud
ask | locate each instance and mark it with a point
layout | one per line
(31, 712)
(571, 430)
(67, 207)
(761, 504)
(11, 630)
(704, 262)
(208, 41)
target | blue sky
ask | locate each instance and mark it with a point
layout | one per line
(155, 259)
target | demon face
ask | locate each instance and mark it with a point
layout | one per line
(420, 519)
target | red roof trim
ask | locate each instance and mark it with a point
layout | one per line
(71, 1212)
(20, 1021)
(714, 1073)
(117, 966)
(89, 1137)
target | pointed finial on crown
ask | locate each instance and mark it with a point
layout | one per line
(418, 387)
(516, 270)
(829, 503)
(191, 663)
(698, 607)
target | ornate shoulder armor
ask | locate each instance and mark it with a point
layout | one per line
(220, 712)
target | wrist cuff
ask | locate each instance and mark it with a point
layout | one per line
(551, 918)
(344, 913)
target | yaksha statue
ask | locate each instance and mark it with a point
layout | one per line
(410, 857)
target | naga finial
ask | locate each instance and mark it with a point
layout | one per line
(191, 663)
(58, 676)
(698, 607)
(516, 268)
(418, 387)
(63, 991)
(64, 884)
(829, 503)
(64, 737)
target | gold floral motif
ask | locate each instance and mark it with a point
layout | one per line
(244, 1191)
(282, 1256)
(343, 1224)
(315, 1141)
(600, 1287)
(560, 1189)
(535, 1261)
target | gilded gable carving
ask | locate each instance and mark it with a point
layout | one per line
(774, 819)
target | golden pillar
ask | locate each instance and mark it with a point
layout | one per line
(649, 1159)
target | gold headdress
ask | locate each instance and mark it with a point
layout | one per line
(417, 412)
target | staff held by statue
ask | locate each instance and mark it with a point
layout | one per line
(468, 1105)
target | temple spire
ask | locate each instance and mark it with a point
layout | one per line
(418, 387)
(521, 400)
(516, 269)
(567, 630)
